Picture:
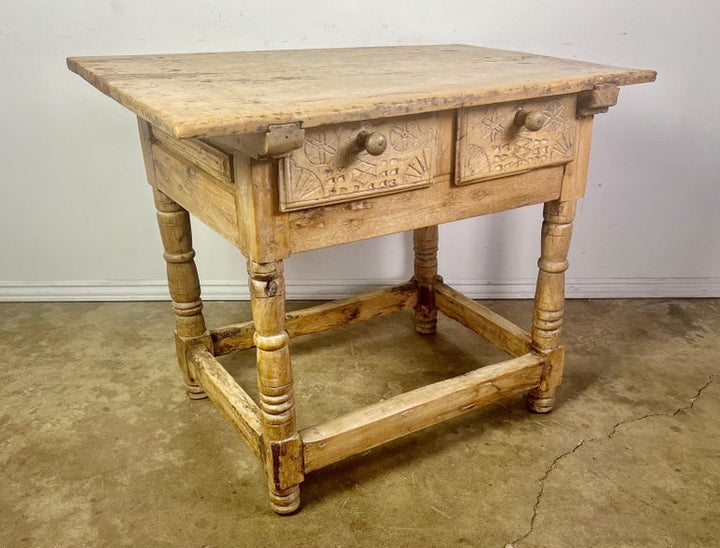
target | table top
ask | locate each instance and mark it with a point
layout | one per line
(216, 94)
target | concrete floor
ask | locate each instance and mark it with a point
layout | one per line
(100, 447)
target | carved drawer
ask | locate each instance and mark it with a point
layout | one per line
(511, 138)
(352, 161)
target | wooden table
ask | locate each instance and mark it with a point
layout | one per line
(286, 151)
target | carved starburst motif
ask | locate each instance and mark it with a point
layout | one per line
(321, 147)
(404, 136)
(554, 116)
(492, 126)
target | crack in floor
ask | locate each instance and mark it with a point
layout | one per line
(582, 442)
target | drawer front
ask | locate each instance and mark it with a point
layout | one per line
(494, 141)
(334, 167)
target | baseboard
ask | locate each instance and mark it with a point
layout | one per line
(218, 290)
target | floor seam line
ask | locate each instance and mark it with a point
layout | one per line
(582, 442)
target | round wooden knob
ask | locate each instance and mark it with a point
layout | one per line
(374, 143)
(532, 120)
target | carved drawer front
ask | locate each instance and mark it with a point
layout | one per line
(358, 160)
(509, 138)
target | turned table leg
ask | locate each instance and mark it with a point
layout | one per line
(550, 299)
(184, 285)
(283, 447)
(425, 245)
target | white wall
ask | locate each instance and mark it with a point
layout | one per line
(76, 215)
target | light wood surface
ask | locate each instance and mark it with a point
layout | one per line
(197, 153)
(288, 151)
(206, 94)
(491, 143)
(232, 401)
(283, 451)
(482, 320)
(184, 285)
(333, 165)
(409, 412)
(210, 200)
(314, 319)
(442, 202)
(549, 305)
(575, 176)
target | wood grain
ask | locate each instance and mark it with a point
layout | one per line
(214, 94)
(262, 228)
(549, 304)
(332, 166)
(314, 319)
(490, 143)
(501, 332)
(288, 151)
(401, 415)
(184, 285)
(145, 133)
(442, 202)
(232, 401)
(210, 200)
(575, 177)
(208, 158)
(425, 248)
(283, 451)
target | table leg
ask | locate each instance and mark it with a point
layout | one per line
(283, 447)
(550, 299)
(184, 285)
(425, 245)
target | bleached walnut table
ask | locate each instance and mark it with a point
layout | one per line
(286, 151)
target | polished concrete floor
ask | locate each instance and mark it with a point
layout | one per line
(100, 447)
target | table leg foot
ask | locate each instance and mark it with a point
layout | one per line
(286, 501)
(425, 327)
(195, 392)
(540, 401)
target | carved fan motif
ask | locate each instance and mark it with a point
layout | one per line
(564, 144)
(417, 168)
(305, 183)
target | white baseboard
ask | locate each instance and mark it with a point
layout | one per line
(218, 290)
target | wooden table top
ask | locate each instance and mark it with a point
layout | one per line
(215, 94)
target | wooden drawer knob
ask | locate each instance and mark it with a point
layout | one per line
(532, 120)
(374, 143)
